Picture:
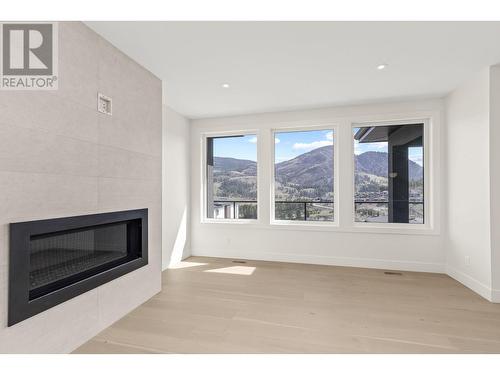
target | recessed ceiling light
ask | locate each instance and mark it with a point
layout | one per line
(382, 66)
(225, 85)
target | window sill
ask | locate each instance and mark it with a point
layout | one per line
(305, 224)
(361, 228)
(334, 227)
(231, 221)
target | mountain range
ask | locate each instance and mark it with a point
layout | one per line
(309, 175)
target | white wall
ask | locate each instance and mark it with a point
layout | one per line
(60, 157)
(495, 179)
(415, 250)
(468, 257)
(176, 157)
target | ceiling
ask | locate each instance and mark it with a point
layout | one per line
(274, 66)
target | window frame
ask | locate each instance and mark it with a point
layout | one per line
(336, 212)
(204, 176)
(342, 124)
(427, 226)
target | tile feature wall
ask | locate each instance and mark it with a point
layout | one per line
(60, 157)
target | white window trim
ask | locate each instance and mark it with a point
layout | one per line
(304, 223)
(428, 225)
(204, 204)
(344, 190)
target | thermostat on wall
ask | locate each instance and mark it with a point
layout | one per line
(104, 104)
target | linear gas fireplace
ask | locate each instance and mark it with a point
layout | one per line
(54, 260)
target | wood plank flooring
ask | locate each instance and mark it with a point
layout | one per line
(213, 305)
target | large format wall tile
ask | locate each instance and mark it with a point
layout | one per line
(4, 247)
(78, 63)
(118, 194)
(3, 294)
(60, 157)
(138, 286)
(45, 110)
(30, 196)
(121, 76)
(40, 151)
(120, 163)
(129, 135)
(54, 330)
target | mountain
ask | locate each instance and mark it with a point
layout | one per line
(234, 179)
(375, 163)
(247, 167)
(309, 175)
(372, 162)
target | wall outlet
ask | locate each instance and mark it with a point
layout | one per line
(467, 260)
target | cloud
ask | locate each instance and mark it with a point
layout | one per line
(312, 145)
(315, 144)
(357, 149)
(254, 140)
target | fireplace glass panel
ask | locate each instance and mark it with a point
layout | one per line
(69, 256)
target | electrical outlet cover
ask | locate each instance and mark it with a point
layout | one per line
(104, 104)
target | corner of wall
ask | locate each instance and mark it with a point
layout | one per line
(494, 170)
(175, 187)
(468, 228)
(476, 286)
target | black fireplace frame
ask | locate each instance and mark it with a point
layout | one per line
(21, 307)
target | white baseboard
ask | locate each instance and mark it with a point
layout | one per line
(482, 289)
(327, 260)
(495, 295)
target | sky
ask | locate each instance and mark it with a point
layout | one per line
(289, 145)
(236, 147)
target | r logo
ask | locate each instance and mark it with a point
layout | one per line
(28, 49)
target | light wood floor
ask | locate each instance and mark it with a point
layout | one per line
(216, 306)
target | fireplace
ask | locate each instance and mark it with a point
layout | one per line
(54, 260)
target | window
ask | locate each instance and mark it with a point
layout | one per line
(231, 177)
(389, 173)
(304, 175)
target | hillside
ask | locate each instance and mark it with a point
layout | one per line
(307, 176)
(235, 179)
(375, 163)
(247, 167)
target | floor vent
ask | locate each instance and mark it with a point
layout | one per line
(239, 261)
(393, 273)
